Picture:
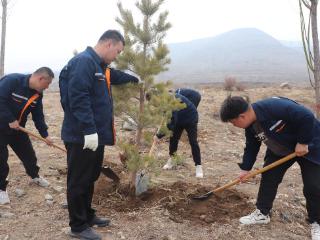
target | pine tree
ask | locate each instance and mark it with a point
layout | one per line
(146, 55)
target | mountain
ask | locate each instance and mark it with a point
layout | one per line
(297, 45)
(248, 54)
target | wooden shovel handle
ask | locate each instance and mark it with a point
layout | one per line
(40, 138)
(256, 172)
(152, 148)
(154, 142)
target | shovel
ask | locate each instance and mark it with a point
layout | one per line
(107, 171)
(40, 138)
(142, 179)
(250, 175)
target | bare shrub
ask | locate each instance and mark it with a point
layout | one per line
(230, 83)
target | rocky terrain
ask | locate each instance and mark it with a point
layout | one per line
(166, 211)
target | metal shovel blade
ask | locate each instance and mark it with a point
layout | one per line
(250, 175)
(142, 182)
(108, 172)
(203, 196)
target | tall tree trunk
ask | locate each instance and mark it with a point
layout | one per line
(141, 112)
(3, 35)
(315, 39)
(141, 103)
(138, 136)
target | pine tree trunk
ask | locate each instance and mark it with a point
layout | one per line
(138, 138)
(141, 112)
(3, 35)
(132, 183)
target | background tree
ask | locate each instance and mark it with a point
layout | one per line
(4, 4)
(311, 50)
(146, 55)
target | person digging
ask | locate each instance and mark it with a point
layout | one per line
(285, 127)
(20, 95)
(184, 119)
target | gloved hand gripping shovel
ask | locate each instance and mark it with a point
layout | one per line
(250, 175)
(106, 171)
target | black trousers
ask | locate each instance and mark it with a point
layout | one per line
(271, 179)
(84, 167)
(192, 131)
(21, 145)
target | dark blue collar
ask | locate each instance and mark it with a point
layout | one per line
(95, 56)
(259, 114)
(26, 81)
(25, 84)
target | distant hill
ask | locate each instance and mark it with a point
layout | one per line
(248, 54)
(296, 45)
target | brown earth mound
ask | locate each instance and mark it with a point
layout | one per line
(175, 198)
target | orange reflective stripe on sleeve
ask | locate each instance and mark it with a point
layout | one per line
(30, 100)
(108, 82)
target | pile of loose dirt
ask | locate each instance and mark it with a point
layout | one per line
(175, 198)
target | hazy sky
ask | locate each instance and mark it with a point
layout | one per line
(45, 32)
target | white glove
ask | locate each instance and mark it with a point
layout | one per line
(91, 142)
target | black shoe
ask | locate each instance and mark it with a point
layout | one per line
(88, 233)
(99, 222)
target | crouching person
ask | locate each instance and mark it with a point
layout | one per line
(185, 119)
(285, 127)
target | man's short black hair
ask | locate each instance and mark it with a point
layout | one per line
(232, 107)
(113, 35)
(45, 70)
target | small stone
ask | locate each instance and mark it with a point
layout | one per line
(58, 189)
(19, 192)
(27, 235)
(161, 154)
(49, 202)
(180, 176)
(203, 217)
(285, 217)
(66, 230)
(166, 213)
(48, 197)
(6, 215)
(285, 85)
(120, 234)
(170, 237)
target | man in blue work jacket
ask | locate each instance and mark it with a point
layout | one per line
(88, 125)
(285, 127)
(192, 95)
(20, 95)
(185, 119)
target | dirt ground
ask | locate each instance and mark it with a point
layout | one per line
(166, 211)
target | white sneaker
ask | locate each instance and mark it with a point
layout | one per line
(40, 181)
(199, 172)
(255, 218)
(315, 231)
(168, 165)
(4, 197)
